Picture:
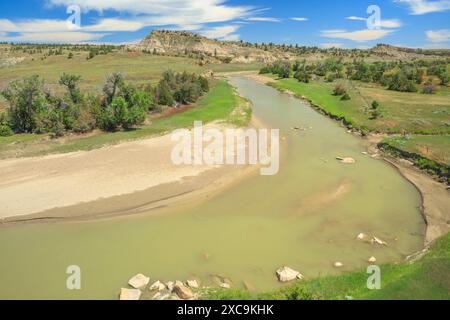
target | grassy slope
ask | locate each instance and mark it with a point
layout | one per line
(426, 278)
(219, 103)
(436, 148)
(137, 67)
(411, 112)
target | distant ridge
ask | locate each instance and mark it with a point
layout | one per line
(182, 43)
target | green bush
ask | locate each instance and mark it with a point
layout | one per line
(345, 97)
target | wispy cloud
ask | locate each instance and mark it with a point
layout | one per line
(222, 33)
(298, 19)
(419, 7)
(392, 23)
(132, 15)
(52, 37)
(358, 36)
(264, 19)
(438, 36)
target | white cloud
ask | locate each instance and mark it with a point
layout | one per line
(222, 33)
(392, 23)
(328, 45)
(192, 15)
(299, 19)
(53, 37)
(418, 7)
(356, 18)
(358, 36)
(166, 12)
(438, 36)
(264, 19)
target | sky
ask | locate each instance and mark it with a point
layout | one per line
(322, 23)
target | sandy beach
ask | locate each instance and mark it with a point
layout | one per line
(37, 185)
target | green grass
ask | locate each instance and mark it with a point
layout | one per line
(426, 278)
(436, 148)
(401, 112)
(220, 103)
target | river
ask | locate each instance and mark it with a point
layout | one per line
(306, 217)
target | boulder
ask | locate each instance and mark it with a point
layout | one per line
(347, 160)
(192, 284)
(158, 285)
(361, 237)
(183, 292)
(376, 240)
(338, 264)
(139, 281)
(225, 285)
(286, 274)
(130, 294)
(170, 285)
(372, 260)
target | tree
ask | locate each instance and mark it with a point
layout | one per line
(70, 56)
(164, 95)
(5, 129)
(400, 82)
(71, 82)
(27, 100)
(113, 82)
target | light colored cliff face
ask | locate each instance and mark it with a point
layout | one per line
(172, 42)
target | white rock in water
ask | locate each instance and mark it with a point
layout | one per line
(361, 236)
(376, 240)
(192, 284)
(225, 285)
(139, 281)
(372, 260)
(158, 285)
(130, 294)
(348, 161)
(286, 274)
(338, 264)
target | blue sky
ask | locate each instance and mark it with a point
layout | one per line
(325, 23)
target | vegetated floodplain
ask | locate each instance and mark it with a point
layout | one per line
(217, 104)
(401, 112)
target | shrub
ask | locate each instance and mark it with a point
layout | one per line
(429, 88)
(375, 104)
(5, 129)
(345, 97)
(339, 90)
(27, 101)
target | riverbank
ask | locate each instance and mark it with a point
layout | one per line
(435, 196)
(34, 188)
(37, 188)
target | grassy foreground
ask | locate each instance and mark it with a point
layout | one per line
(220, 103)
(425, 278)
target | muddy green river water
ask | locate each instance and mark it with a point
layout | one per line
(306, 217)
